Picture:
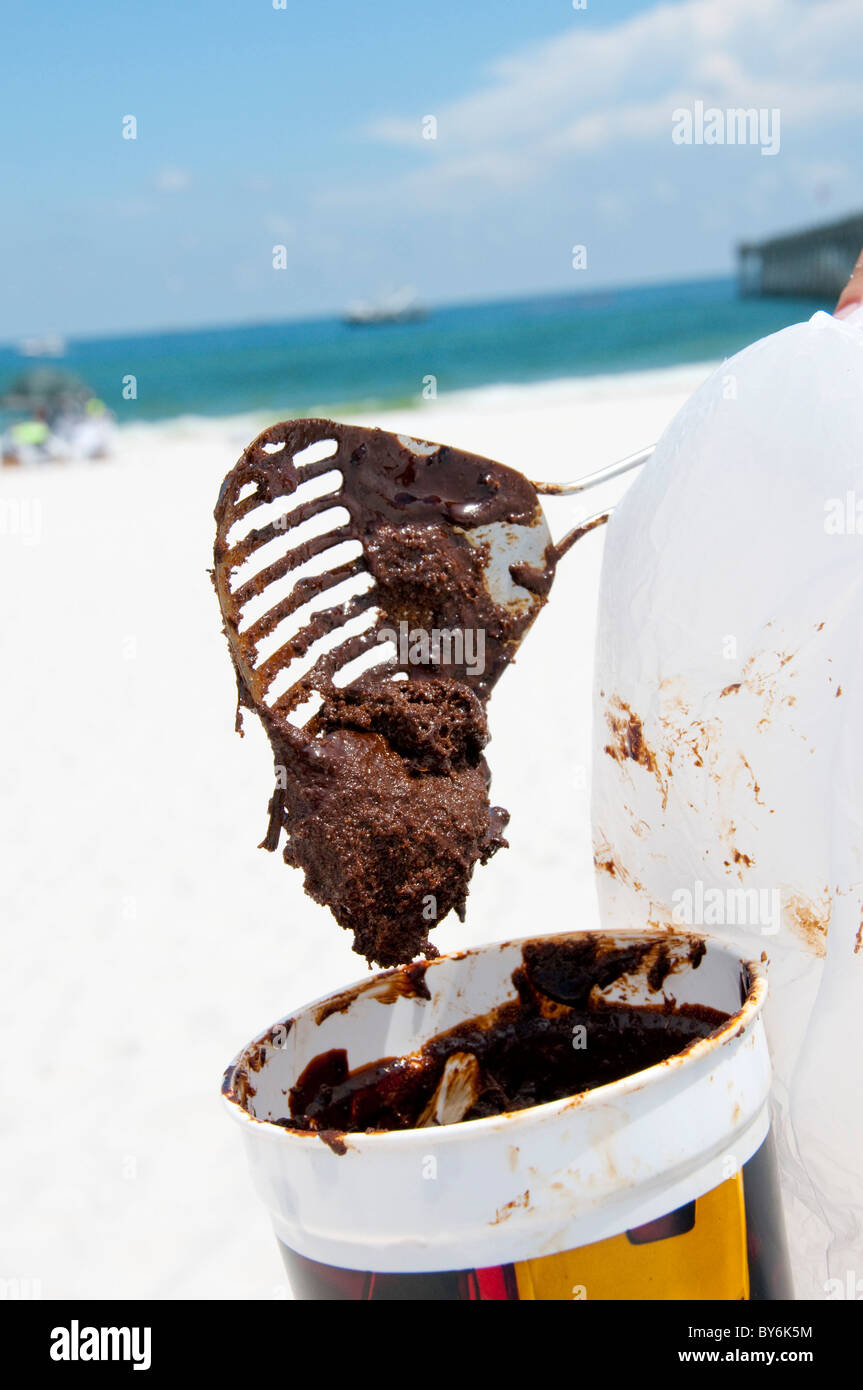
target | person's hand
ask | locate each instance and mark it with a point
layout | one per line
(852, 296)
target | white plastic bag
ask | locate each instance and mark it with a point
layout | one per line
(728, 728)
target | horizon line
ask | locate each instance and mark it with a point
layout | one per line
(176, 330)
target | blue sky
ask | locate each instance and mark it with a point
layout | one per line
(302, 127)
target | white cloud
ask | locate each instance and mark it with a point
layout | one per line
(134, 208)
(283, 227)
(588, 91)
(172, 180)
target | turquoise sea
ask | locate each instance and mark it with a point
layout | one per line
(323, 365)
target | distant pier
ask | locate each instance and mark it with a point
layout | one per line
(816, 262)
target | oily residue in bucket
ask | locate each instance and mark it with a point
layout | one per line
(557, 1039)
(406, 983)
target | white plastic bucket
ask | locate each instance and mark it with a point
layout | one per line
(509, 1191)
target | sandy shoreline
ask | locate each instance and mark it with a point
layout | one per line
(150, 937)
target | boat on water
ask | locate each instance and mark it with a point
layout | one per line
(48, 345)
(401, 306)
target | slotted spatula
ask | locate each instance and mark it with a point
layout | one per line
(313, 524)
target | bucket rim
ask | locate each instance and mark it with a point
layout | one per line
(688, 1060)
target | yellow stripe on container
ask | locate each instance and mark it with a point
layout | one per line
(708, 1261)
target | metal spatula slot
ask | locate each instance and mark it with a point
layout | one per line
(294, 588)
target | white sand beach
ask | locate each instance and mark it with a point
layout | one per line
(146, 937)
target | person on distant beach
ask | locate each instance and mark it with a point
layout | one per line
(851, 297)
(27, 442)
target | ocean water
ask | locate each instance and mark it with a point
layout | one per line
(324, 365)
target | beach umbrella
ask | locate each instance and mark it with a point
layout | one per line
(45, 388)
